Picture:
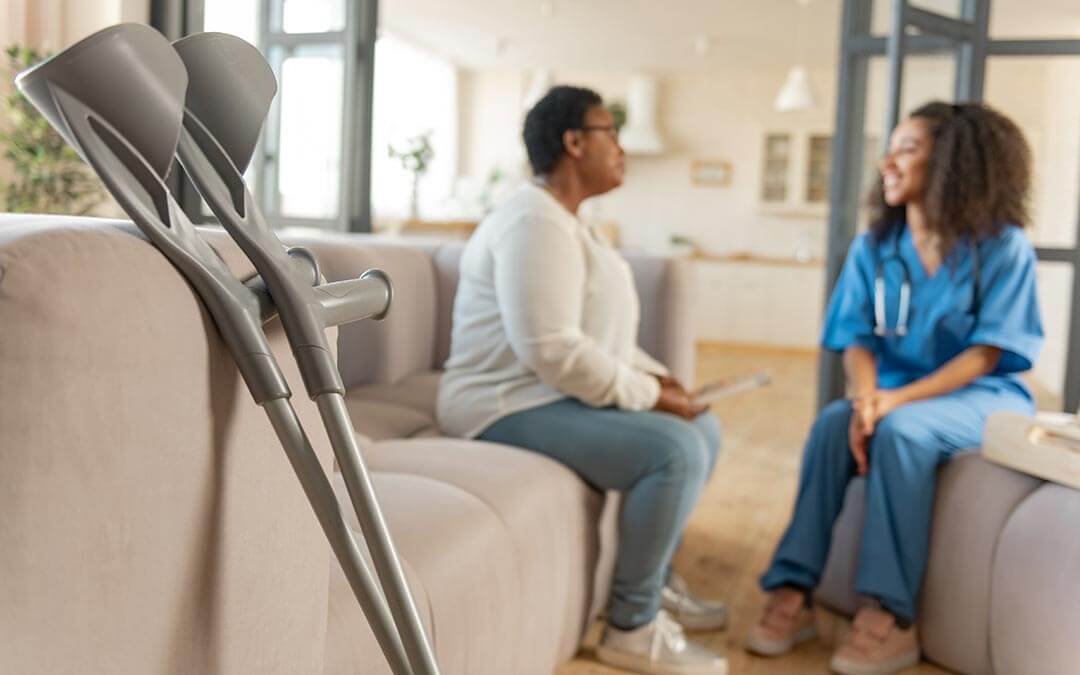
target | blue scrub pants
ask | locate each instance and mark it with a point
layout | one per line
(659, 461)
(904, 454)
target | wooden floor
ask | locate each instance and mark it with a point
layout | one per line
(746, 505)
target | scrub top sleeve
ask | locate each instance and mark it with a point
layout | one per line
(849, 318)
(1009, 317)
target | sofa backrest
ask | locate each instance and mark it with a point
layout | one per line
(149, 520)
(415, 337)
(448, 272)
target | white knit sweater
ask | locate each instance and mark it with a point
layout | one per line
(545, 309)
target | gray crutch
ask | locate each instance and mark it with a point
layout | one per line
(230, 86)
(86, 92)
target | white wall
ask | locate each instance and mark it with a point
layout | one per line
(721, 115)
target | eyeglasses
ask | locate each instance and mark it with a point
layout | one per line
(610, 129)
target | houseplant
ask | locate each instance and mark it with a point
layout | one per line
(415, 158)
(49, 177)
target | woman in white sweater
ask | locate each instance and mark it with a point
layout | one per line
(544, 356)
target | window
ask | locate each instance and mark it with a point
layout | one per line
(307, 179)
(817, 169)
(306, 170)
(312, 16)
(777, 161)
(796, 171)
(416, 94)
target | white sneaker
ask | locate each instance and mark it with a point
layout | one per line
(692, 612)
(658, 648)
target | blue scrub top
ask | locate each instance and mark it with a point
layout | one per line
(940, 320)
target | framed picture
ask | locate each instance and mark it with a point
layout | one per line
(710, 172)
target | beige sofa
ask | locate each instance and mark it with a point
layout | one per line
(1002, 587)
(150, 523)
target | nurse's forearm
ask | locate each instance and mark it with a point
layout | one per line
(963, 369)
(860, 366)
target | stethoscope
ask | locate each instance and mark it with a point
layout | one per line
(880, 326)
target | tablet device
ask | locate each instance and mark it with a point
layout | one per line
(715, 391)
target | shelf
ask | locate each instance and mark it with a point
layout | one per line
(755, 259)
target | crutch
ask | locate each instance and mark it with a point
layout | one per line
(230, 86)
(87, 93)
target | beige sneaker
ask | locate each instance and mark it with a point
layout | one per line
(786, 622)
(658, 648)
(875, 645)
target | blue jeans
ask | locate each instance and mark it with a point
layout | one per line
(904, 453)
(659, 461)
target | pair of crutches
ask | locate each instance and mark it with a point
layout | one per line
(128, 101)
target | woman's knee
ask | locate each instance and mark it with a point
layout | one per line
(901, 438)
(831, 423)
(836, 414)
(712, 434)
(678, 449)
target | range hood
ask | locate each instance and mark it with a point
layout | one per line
(639, 136)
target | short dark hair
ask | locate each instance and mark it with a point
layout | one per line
(979, 176)
(560, 109)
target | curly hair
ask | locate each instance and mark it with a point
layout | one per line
(978, 179)
(560, 109)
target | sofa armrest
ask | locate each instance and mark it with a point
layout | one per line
(667, 288)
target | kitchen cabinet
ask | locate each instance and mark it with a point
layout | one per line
(748, 300)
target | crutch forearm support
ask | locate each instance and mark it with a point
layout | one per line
(86, 92)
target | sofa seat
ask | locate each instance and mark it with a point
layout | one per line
(456, 549)
(403, 409)
(555, 523)
(498, 542)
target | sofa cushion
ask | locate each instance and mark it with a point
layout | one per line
(447, 268)
(1034, 604)
(666, 289)
(151, 523)
(461, 559)
(974, 500)
(380, 421)
(551, 519)
(417, 392)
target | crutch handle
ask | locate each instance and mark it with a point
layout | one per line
(367, 296)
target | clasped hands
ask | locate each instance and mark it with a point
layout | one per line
(676, 400)
(866, 411)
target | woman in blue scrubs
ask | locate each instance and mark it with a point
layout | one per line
(936, 314)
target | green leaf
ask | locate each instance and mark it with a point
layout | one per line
(49, 176)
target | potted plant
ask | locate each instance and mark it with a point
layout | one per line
(415, 158)
(49, 176)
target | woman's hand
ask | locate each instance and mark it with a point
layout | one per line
(669, 381)
(674, 399)
(884, 401)
(858, 440)
(866, 411)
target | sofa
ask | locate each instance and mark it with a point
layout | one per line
(1000, 593)
(150, 522)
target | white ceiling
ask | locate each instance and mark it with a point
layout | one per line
(660, 35)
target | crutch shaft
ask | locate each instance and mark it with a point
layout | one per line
(320, 495)
(376, 534)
